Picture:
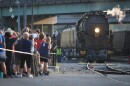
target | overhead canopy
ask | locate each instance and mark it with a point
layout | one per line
(50, 20)
(59, 19)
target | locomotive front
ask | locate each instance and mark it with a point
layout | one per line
(93, 31)
(93, 35)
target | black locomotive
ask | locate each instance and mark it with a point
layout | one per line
(93, 35)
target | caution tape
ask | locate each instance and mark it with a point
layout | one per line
(16, 51)
(23, 52)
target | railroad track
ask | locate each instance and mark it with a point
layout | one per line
(109, 70)
(106, 69)
(119, 70)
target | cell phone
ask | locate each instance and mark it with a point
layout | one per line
(34, 35)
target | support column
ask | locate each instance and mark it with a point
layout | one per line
(42, 27)
(32, 26)
(18, 3)
(51, 27)
(1, 12)
(25, 13)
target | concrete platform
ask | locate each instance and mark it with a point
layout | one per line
(119, 59)
(53, 69)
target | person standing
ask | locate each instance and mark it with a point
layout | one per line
(48, 40)
(26, 46)
(17, 56)
(53, 50)
(44, 53)
(58, 54)
(39, 42)
(9, 45)
(3, 55)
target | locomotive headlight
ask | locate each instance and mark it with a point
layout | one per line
(97, 30)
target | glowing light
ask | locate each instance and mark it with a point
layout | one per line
(97, 30)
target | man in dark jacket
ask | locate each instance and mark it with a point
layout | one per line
(9, 43)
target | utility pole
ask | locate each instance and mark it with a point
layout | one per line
(25, 13)
(1, 12)
(18, 3)
(32, 26)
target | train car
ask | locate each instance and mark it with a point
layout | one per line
(121, 42)
(93, 35)
(68, 42)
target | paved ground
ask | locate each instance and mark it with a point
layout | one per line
(69, 80)
(71, 74)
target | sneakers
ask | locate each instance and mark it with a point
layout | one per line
(20, 75)
(11, 76)
(41, 73)
(46, 73)
(25, 74)
(30, 76)
(5, 76)
(16, 76)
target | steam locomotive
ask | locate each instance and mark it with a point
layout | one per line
(90, 37)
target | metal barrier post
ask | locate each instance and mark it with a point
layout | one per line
(53, 59)
(129, 58)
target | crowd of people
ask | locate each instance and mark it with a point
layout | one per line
(18, 49)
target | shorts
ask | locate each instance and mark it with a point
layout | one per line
(44, 59)
(2, 56)
(17, 58)
(26, 58)
(2, 60)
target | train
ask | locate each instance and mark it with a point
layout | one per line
(121, 43)
(68, 42)
(93, 35)
(92, 39)
(89, 38)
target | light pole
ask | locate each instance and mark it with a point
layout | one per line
(18, 3)
(25, 13)
(32, 26)
(0, 10)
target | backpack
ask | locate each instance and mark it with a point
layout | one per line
(43, 50)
